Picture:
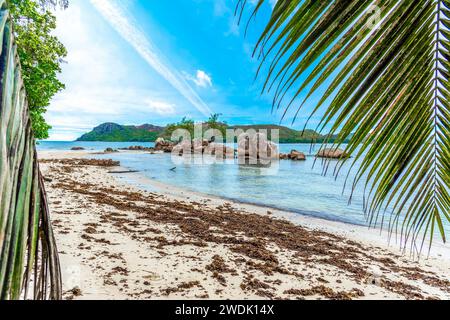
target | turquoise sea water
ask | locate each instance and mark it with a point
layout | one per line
(90, 146)
(296, 186)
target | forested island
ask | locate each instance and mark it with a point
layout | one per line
(112, 132)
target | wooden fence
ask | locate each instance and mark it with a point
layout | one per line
(29, 265)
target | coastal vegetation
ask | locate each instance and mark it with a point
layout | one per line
(383, 66)
(112, 132)
(31, 57)
(382, 70)
(41, 55)
(189, 125)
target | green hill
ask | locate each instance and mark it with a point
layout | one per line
(112, 132)
(286, 135)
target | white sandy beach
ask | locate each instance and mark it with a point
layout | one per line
(119, 242)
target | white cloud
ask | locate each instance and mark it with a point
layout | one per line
(161, 107)
(99, 87)
(130, 32)
(220, 8)
(233, 27)
(201, 79)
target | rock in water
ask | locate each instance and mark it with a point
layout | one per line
(332, 154)
(199, 145)
(184, 147)
(160, 144)
(220, 151)
(78, 149)
(255, 148)
(297, 156)
(163, 145)
(137, 148)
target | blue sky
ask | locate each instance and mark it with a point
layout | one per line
(153, 61)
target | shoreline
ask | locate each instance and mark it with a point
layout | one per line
(358, 232)
(169, 188)
(82, 186)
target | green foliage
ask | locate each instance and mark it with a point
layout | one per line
(184, 124)
(111, 132)
(29, 263)
(122, 134)
(385, 64)
(213, 123)
(214, 119)
(41, 55)
(287, 135)
(190, 126)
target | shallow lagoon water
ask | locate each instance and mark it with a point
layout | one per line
(299, 187)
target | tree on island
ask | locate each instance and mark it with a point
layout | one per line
(184, 124)
(189, 125)
(213, 123)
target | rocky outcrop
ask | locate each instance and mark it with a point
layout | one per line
(256, 149)
(110, 150)
(138, 148)
(220, 151)
(297, 156)
(183, 147)
(77, 149)
(163, 145)
(294, 156)
(330, 153)
(200, 147)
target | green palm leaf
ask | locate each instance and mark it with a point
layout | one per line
(29, 263)
(384, 65)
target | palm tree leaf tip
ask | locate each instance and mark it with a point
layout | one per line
(385, 65)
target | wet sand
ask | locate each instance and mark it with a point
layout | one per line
(119, 242)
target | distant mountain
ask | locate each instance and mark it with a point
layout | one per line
(113, 132)
(150, 128)
(286, 135)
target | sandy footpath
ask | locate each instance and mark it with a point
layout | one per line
(119, 242)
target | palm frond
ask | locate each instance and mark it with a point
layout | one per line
(384, 65)
(29, 265)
